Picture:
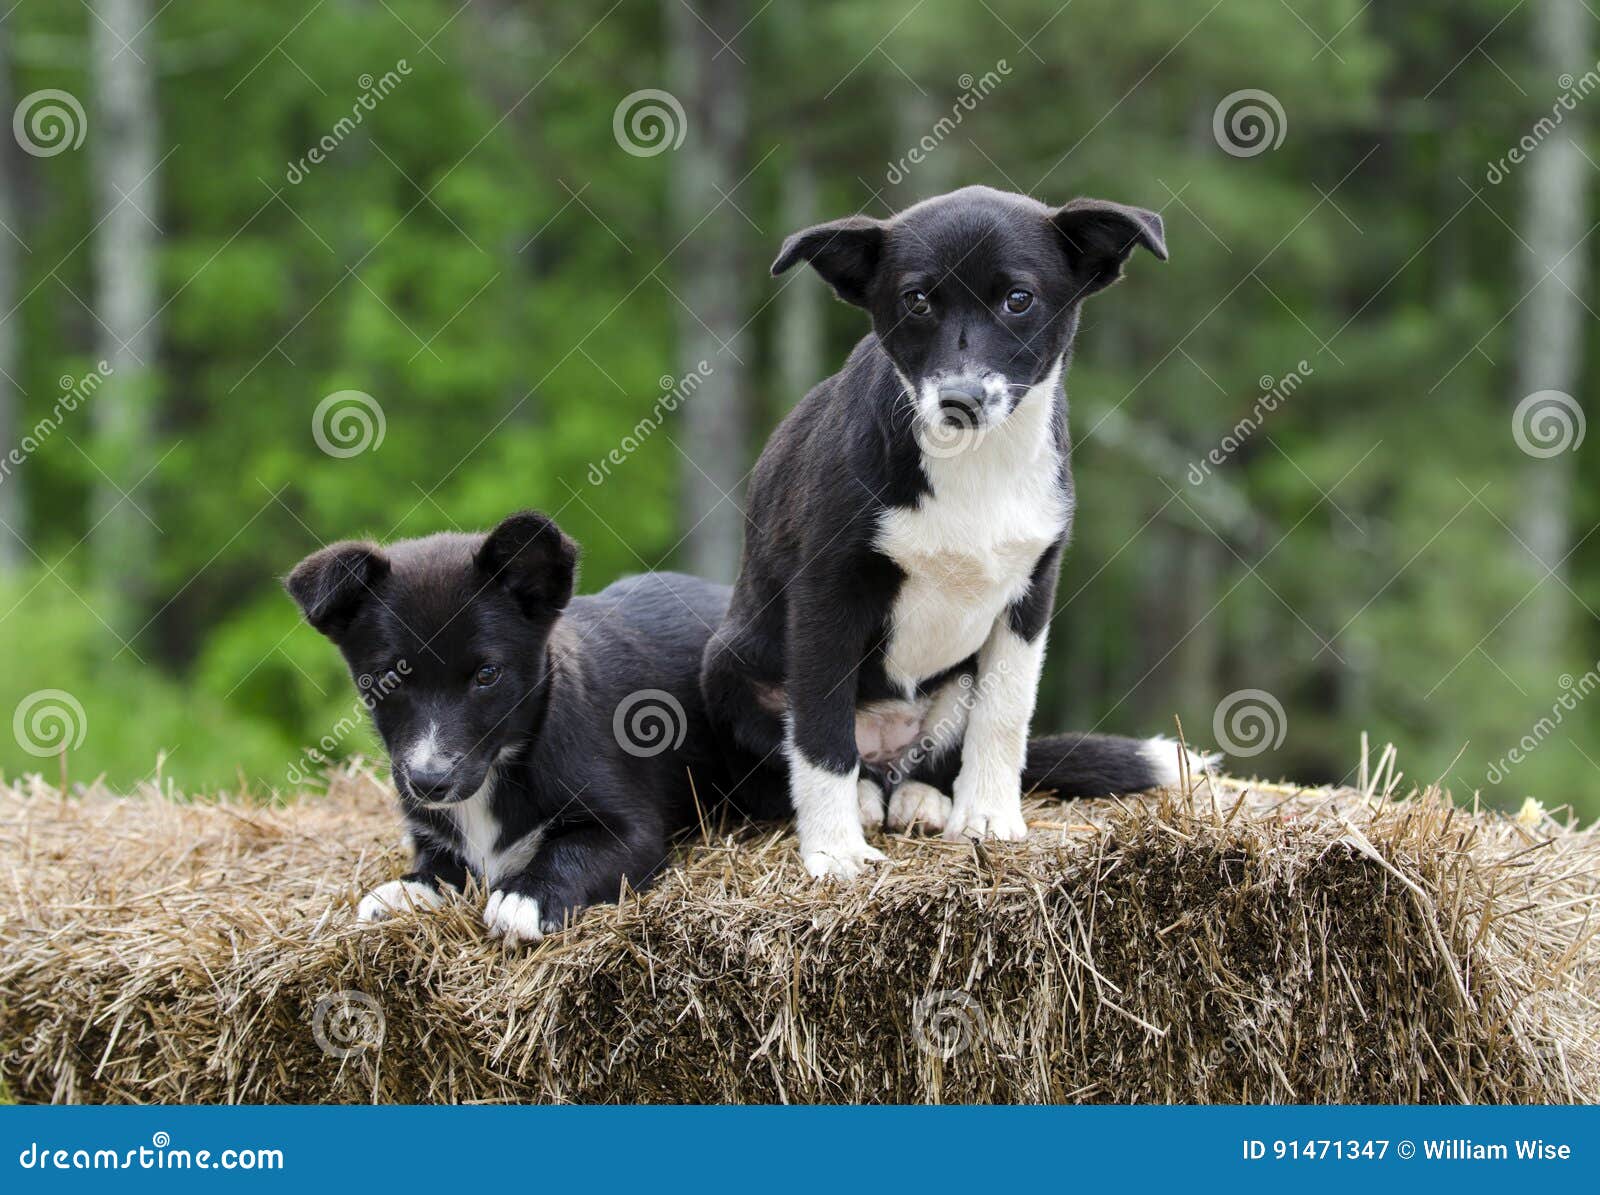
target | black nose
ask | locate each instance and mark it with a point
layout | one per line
(960, 402)
(430, 784)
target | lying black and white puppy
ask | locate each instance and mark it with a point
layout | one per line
(905, 528)
(540, 742)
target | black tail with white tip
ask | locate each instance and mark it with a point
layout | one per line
(1096, 765)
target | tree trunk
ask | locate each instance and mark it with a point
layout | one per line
(12, 507)
(123, 135)
(801, 347)
(916, 114)
(1550, 331)
(708, 79)
(1180, 647)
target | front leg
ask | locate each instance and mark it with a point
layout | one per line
(825, 644)
(582, 864)
(416, 890)
(987, 795)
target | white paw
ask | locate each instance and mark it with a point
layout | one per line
(869, 798)
(514, 917)
(841, 862)
(916, 804)
(986, 815)
(396, 897)
(1162, 754)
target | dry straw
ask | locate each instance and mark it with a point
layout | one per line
(1230, 943)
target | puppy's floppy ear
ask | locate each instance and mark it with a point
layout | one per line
(329, 586)
(528, 555)
(845, 252)
(1097, 237)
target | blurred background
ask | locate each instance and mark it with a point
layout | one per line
(277, 274)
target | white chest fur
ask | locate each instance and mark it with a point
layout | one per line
(968, 549)
(478, 832)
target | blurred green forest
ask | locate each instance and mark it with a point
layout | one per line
(469, 215)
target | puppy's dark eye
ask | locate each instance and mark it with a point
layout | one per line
(486, 676)
(1018, 301)
(917, 302)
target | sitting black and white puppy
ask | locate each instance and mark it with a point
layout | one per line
(540, 742)
(905, 527)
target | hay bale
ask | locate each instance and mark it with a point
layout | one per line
(1236, 943)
